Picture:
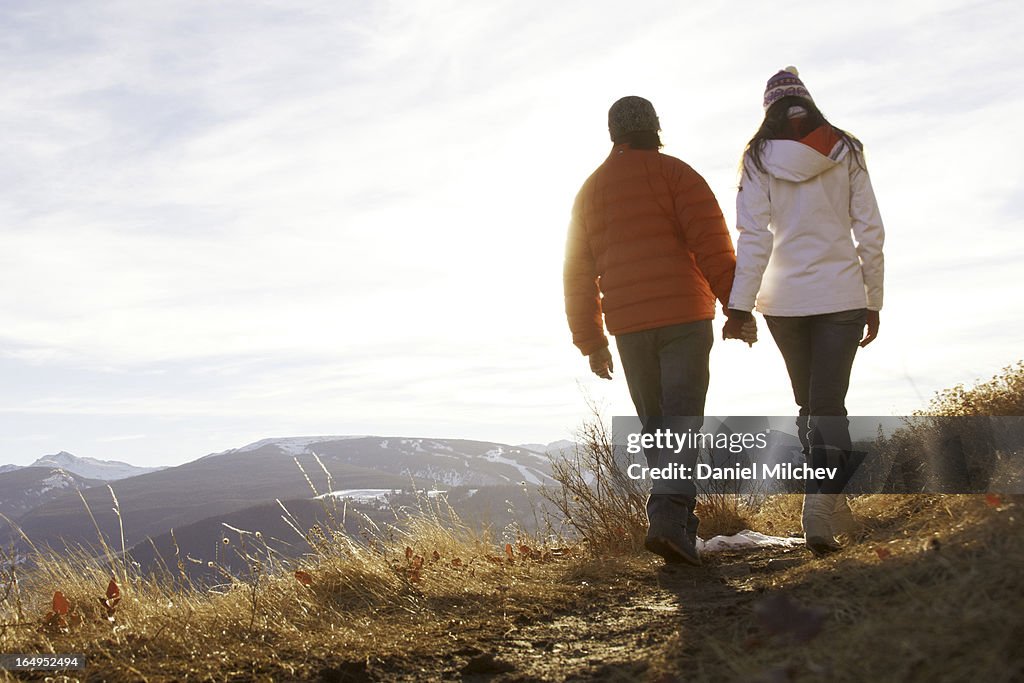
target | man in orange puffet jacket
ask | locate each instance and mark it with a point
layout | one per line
(648, 252)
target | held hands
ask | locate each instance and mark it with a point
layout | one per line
(601, 363)
(740, 325)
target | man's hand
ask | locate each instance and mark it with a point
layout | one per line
(872, 323)
(740, 325)
(601, 363)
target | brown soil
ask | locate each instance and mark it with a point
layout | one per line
(627, 626)
(914, 598)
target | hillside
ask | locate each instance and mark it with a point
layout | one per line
(929, 592)
(25, 488)
(223, 483)
(278, 522)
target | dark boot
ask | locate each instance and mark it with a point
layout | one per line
(668, 534)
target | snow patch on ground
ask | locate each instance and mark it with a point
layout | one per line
(57, 480)
(446, 477)
(746, 539)
(530, 476)
(528, 453)
(368, 495)
(360, 495)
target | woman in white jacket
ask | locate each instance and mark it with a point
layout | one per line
(809, 257)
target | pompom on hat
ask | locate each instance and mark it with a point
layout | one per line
(631, 114)
(785, 83)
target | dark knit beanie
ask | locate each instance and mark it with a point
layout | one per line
(785, 83)
(631, 114)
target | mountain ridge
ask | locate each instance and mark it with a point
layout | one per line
(25, 488)
(278, 468)
(89, 468)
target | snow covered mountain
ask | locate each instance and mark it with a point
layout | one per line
(24, 488)
(280, 468)
(91, 468)
(451, 462)
(554, 448)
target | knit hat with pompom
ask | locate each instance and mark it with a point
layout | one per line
(785, 83)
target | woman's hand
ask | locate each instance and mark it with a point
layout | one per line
(740, 325)
(872, 325)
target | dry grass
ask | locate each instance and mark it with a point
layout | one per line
(930, 590)
(350, 601)
(958, 443)
(604, 507)
(779, 515)
(724, 509)
(1003, 394)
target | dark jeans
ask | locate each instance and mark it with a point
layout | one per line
(667, 373)
(819, 352)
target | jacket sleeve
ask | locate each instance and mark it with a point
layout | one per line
(580, 282)
(754, 245)
(705, 233)
(868, 233)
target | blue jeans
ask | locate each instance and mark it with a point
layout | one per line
(667, 368)
(819, 352)
(667, 374)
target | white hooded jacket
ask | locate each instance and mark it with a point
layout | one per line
(811, 235)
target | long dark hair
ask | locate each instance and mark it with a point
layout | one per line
(778, 126)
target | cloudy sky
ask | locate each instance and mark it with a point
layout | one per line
(235, 220)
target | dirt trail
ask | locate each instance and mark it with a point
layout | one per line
(636, 623)
(929, 591)
(628, 630)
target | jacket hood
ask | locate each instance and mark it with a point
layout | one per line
(794, 161)
(800, 160)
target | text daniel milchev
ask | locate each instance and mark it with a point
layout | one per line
(666, 439)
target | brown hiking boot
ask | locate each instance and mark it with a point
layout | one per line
(669, 540)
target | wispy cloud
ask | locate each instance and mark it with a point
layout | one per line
(121, 437)
(221, 218)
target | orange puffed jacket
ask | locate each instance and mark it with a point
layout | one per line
(647, 247)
